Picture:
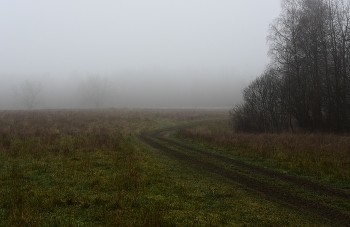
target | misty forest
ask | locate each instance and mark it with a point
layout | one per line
(175, 113)
(307, 83)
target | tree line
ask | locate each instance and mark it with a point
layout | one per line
(307, 83)
(93, 89)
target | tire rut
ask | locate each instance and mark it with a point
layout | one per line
(328, 213)
(266, 172)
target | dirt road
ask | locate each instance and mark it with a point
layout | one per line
(208, 161)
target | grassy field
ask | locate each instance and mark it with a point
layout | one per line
(322, 156)
(89, 168)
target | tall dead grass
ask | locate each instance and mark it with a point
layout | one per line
(80, 167)
(326, 155)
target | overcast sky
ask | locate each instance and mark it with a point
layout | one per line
(57, 38)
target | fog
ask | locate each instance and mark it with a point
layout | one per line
(176, 53)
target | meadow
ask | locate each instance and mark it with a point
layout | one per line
(90, 168)
(317, 155)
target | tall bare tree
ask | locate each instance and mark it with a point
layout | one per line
(262, 109)
(28, 93)
(310, 52)
(309, 43)
(94, 90)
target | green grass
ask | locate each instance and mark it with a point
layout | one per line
(71, 187)
(287, 187)
(323, 157)
(88, 168)
(194, 197)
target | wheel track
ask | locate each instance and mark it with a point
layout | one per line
(266, 172)
(328, 213)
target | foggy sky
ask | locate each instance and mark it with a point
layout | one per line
(176, 53)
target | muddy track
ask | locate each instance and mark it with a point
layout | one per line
(269, 190)
(266, 172)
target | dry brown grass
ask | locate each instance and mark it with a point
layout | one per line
(326, 155)
(42, 122)
(88, 168)
(80, 167)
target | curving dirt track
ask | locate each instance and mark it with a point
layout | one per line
(329, 214)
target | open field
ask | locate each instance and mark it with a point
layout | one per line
(326, 156)
(167, 167)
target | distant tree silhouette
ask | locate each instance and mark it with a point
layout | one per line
(94, 90)
(27, 93)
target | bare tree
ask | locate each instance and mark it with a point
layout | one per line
(309, 84)
(28, 93)
(94, 90)
(263, 110)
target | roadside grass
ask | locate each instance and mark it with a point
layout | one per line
(79, 167)
(301, 191)
(196, 197)
(191, 196)
(323, 157)
(88, 168)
